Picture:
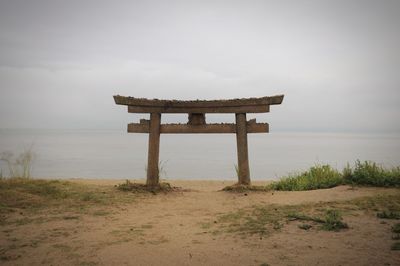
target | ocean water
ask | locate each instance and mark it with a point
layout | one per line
(117, 154)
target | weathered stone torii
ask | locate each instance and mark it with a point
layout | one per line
(197, 124)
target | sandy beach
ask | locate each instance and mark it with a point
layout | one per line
(189, 227)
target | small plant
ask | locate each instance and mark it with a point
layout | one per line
(305, 226)
(396, 231)
(396, 228)
(388, 215)
(331, 222)
(161, 168)
(236, 170)
(302, 217)
(20, 166)
(347, 171)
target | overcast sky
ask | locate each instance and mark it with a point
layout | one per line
(337, 62)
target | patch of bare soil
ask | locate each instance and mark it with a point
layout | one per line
(188, 227)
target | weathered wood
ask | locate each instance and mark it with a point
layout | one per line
(138, 128)
(200, 109)
(154, 148)
(207, 128)
(267, 100)
(248, 105)
(197, 124)
(242, 150)
(196, 119)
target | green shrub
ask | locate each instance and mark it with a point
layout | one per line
(333, 221)
(317, 177)
(324, 176)
(371, 174)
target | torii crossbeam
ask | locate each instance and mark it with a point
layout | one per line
(196, 111)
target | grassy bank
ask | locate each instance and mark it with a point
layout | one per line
(324, 176)
(36, 194)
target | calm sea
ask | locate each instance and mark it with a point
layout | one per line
(117, 154)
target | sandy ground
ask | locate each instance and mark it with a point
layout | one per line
(168, 229)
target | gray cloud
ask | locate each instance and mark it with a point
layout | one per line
(336, 61)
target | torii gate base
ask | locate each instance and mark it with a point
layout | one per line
(197, 124)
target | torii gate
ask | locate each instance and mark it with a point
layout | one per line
(196, 111)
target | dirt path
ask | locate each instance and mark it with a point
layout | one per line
(182, 229)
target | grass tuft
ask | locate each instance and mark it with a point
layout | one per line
(305, 226)
(396, 228)
(396, 231)
(317, 177)
(388, 215)
(244, 188)
(332, 221)
(142, 188)
(19, 166)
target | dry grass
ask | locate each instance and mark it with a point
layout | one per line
(244, 188)
(32, 195)
(264, 219)
(162, 187)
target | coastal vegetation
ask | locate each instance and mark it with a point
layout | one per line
(265, 219)
(317, 177)
(365, 173)
(34, 195)
(18, 165)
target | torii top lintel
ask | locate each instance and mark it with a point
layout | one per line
(246, 105)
